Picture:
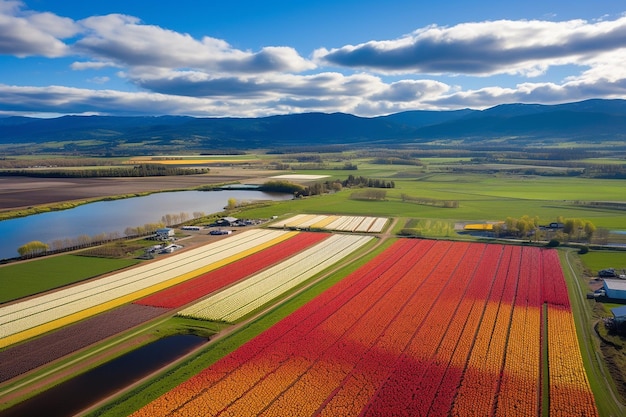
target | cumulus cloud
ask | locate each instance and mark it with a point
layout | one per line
(126, 41)
(412, 91)
(199, 84)
(27, 33)
(177, 73)
(484, 48)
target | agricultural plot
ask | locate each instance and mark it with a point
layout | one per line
(24, 357)
(425, 329)
(244, 297)
(205, 284)
(36, 316)
(32, 354)
(364, 224)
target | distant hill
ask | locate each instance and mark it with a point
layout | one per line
(590, 120)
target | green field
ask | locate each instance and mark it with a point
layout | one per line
(27, 278)
(597, 260)
(481, 197)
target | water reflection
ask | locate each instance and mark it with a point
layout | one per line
(115, 216)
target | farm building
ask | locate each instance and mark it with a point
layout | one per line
(619, 314)
(226, 221)
(191, 228)
(615, 288)
(164, 233)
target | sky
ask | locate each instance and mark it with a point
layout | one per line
(245, 58)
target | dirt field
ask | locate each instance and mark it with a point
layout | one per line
(20, 192)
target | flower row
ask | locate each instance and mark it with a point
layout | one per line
(205, 284)
(569, 387)
(340, 223)
(244, 297)
(426, 328)
(28, 318)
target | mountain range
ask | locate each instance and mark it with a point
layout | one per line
(589, 121)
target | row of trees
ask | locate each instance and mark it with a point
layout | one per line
(38, 248)
(570, 229)
(10, 163)
(337, 185)
(182, 217)
(429, 201)
(369, 194)
(361, 181)
(143, 170)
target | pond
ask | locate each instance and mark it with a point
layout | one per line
(117, 215)
(83, 391)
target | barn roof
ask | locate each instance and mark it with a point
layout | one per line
(619, 312)
(615, 284)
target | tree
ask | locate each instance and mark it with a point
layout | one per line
(33, 248)
(589, 229)
(232, 203)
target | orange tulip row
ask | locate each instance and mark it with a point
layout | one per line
(520, 384)
(426, 328)
(478, 389)
(569, 388)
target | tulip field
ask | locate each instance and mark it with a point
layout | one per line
(22, 320)
(334, 223)
(24, 357)
(189, 291)
(426, 328)
(245, 296)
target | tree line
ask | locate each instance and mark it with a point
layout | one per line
(143, 170)
(429, 201)
(563, 229)
(38, 248)
(352, 181)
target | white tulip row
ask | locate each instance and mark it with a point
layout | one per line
(244, 297)
(342, 223)
(310, 222)
(291, 221)
(30, 313)
(378, 225)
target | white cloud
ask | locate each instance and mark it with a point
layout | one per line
(94, 65)
(124, 40)
(30, 33)
(179, 74)
(484, 48)
(99, 80)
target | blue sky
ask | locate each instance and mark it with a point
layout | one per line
(256, 58)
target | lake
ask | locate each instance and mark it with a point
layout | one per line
(115, 216)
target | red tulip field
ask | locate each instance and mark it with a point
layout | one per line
(427, 328)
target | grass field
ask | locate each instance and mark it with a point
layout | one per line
(480, 196)
(597, 260)
(27, 278)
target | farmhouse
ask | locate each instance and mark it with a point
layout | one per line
(615, 288)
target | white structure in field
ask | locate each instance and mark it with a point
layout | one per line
(615, 288)
(164, 233)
